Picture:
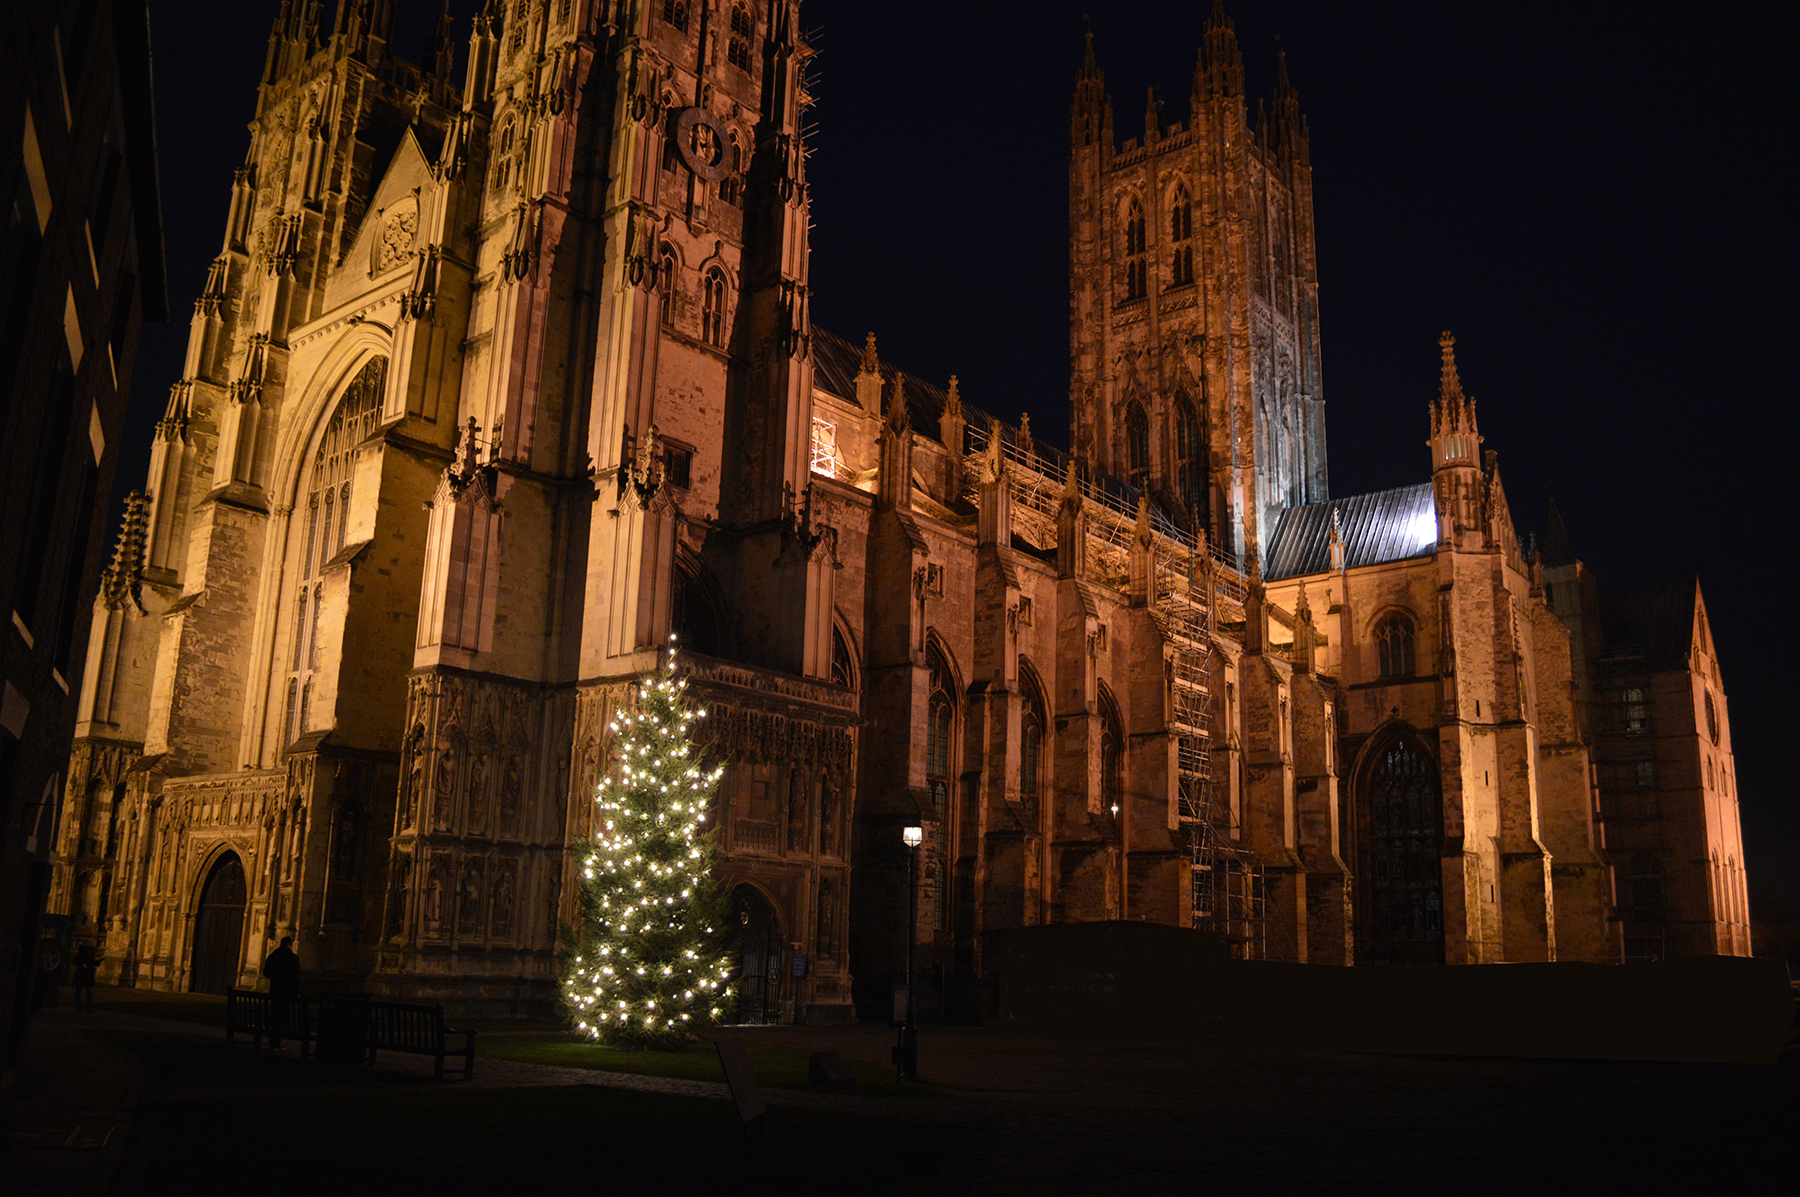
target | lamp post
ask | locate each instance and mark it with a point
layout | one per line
(907, 1054)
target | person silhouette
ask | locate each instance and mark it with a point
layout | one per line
(86, 964)
(282, 968)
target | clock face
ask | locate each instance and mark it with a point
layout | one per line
(700, 140)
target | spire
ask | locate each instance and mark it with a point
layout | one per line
(440, 52)
(1554, 545)
(276, 64)
(899, 420)
(868, 379)
(1453, 412)
(1152, 117)
(950, 430)
(1288, 135)
(1090, 116)
(1027, 446)
(1220, 68)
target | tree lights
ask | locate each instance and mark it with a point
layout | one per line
(648, 966)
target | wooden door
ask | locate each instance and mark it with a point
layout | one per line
(219, 927)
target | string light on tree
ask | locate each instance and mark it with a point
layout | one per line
(648, 967)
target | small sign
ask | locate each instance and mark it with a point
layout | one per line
(902, 999)
(738, 1077)
(799, 968)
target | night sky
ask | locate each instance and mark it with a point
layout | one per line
(1586, 197)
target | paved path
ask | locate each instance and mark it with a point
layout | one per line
(1079, 1117)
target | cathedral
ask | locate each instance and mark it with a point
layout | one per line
(504, 376)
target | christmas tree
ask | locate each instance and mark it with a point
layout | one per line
(648, 967)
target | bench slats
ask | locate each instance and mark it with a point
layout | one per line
(391, 1027)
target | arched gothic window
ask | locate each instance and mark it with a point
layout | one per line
(737, 51)
(712, 311)
(1112, 758)
(1190, 459)
(326, 514)
(1712, 719)
(940, 736)
(1031, 743)
(675, 12)
(731, 186)
(666, 273)
(1637, 711)
(843, 671)
(503, 148)
(1405, 834)
(1181, 236)
(1136, 272)
(1394, 642)
(1137, 447)
(940, 723)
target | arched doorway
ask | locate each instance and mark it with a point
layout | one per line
(760, 957)
(1403, 847)
(219, 927)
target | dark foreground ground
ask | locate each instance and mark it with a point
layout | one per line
(145, 1097)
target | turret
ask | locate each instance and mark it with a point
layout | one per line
(440, 51)
(1091, 115)
(1455, 442)
(1220, 68)
(1455, 439)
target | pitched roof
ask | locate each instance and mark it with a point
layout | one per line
(1383, 525)
(1654, 622)
(836, 363)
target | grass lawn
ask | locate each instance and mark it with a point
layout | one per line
(547, 1043)
(214, 1119)
(775, 1067)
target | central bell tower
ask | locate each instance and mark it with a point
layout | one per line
(1193, 312)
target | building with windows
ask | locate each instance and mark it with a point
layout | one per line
(501, 379)
(81, 267)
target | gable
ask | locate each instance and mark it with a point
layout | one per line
(391, 226)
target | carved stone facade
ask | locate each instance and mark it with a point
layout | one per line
(498, 384)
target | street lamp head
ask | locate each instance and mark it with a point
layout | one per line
(914, 836)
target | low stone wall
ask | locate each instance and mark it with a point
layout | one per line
(1140, 981)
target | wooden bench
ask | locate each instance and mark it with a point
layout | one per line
(266, 1016)
(419, 1031)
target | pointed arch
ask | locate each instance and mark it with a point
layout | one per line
(1398, 815)
(1137, 445)
(1112, 754)
(1034, 738)
(844, 658)
(715, 302)
(317, 530)
(219, 904)
(1192, 457)
(1181, 235)
(668, 281)
(1134, 249)
(700, 615)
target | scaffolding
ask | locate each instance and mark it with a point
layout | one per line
(1189, 586)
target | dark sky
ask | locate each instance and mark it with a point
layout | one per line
(1586, 196)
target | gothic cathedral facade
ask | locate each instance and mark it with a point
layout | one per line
(499, 381)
